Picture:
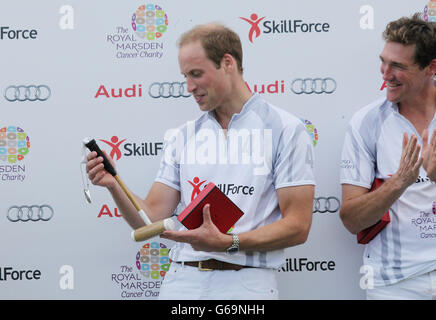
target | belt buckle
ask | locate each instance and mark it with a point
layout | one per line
(200, 268)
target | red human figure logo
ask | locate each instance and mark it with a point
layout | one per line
(196, 185)
(254, 22)
(115, 144)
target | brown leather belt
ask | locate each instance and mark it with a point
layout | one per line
(212, 264)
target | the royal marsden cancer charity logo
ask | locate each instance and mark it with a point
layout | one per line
(142, 38)
(430, 11)
(153, 261)
(150, 21)
(142, 277)
(313, 132)
(14, 144)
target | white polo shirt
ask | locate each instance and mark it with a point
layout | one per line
(264, 149)
(372, 149)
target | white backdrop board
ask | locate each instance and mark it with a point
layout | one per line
(75, 69)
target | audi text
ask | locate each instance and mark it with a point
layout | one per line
(131, 92)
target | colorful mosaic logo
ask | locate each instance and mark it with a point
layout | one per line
(150, 21)
(311, 130)
(430, 11)
(153, 261)
(14, 144)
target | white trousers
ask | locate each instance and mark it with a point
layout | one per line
(421, 287)
(188, 283)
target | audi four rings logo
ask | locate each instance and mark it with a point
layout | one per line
(27, 93)
(313, 85)
(30, 213)
(168, 90)
(326, 204)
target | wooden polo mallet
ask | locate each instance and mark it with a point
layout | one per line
(150, 229)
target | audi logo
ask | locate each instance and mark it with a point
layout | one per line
(168, 90)
(27, 93)
(313, 85)
(326, 204)
(30, 213)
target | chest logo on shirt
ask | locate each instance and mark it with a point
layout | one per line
(196, 184)
(425, 223)
(226, 188)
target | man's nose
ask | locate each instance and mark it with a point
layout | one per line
(190, 85)
(386, 71)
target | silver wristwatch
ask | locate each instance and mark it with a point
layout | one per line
(235, 245)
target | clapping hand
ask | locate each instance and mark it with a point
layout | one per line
(429, 154)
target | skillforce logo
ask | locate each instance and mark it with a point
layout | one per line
(254, 23)
(262, 25)
(144, 277)
(196, 184)
(226, 188)
(306, 265)
(119, 147)
(149, 23)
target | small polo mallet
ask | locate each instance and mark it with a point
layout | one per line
(150, 229)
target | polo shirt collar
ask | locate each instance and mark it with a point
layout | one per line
(245, 109)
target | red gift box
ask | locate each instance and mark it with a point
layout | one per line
(223, 211)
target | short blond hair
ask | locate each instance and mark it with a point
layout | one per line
(217, 40)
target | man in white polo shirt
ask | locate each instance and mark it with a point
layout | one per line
(260, 156)
(394, 139)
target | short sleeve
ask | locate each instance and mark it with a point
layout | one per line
(169, 168)
(294, 161)
(357, 166)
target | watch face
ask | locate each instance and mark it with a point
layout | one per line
(232, 250)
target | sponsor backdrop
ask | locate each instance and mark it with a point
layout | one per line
(108, 70)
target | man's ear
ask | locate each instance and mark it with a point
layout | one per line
(432, 67)
(228, 62)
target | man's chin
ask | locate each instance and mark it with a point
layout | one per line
(395, 98)
(204, 107)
